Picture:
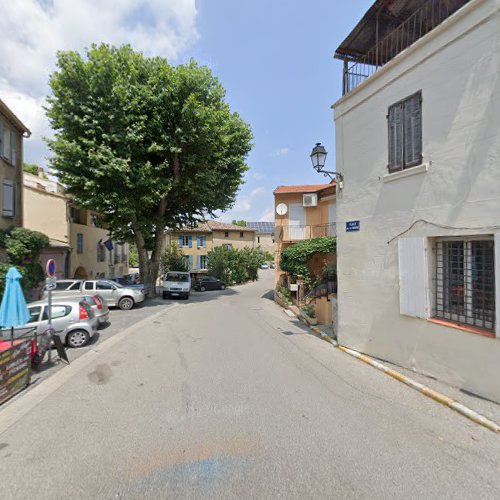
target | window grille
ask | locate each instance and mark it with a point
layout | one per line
(465, 282)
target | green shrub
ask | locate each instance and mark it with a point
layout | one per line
(234, 266)
(308, 310)
(173, 259)
(295, 259)
(22, 248)
(330, 271)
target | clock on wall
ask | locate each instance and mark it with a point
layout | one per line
(281, 209)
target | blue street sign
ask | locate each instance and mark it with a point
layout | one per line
(51, 268)
(352, 225)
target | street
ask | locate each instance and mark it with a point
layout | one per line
(224, 396)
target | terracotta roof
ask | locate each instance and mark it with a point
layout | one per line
(304, 188)
(211, 225)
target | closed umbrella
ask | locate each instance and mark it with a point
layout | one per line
(13, 310)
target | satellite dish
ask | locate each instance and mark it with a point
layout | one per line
(281, 209)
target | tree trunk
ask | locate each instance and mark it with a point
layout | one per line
(149, 265)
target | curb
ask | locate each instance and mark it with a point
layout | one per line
(426, 391)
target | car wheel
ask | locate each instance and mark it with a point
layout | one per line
(202, 288)
(165, 296)
(77, 338)
(186, 296)
(126, 303)
(223, 287)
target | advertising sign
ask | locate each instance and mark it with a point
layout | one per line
(15, 369)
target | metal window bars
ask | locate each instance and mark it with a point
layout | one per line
(465, 282)
(431, 14)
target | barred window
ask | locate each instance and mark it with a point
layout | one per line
(465, 282)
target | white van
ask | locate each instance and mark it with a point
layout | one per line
(176, 284)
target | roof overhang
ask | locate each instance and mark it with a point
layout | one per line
(9, 114)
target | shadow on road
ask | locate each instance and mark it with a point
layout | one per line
(268, 295)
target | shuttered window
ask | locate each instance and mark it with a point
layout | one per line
(9, 199)
(405, 133)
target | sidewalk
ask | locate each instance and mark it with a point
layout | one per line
(484, 407)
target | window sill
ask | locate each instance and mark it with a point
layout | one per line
(463, 328)
(420, 169)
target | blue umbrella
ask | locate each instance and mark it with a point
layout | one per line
(13, 311)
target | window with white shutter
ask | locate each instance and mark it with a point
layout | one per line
(6, 143)
(404, 121)
(13, 147)
(8, 199)
(413, 277)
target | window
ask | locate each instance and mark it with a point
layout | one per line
(202, 241)
(62, 285)
(105, 285)
(75, 286)
(185, 241)
(6, 143)
(226, 234)
(79, 243)
(89, 285)
(34, 314)
(405, 133)
(203, 262)
(57, 312)
(241, 234)
(465, 282)
(9, 199)
(13, 147)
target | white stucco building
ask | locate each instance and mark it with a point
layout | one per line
(418, 143)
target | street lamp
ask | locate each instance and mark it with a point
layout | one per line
(318, 158)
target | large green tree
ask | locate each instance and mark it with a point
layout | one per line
(144, 143)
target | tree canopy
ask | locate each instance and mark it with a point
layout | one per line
(144, 143)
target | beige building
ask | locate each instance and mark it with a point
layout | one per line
(12, 132)
(264, 235)
(301, 213)
(78, 244)
(418, 143)
(195, 243)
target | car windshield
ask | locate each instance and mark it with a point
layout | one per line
(183, 278)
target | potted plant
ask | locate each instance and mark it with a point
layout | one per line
(309, 314)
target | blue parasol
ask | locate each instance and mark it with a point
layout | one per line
(13, 311)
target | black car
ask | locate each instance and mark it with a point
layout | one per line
(209, 283)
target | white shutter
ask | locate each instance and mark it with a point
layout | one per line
(497, 283)
(9, 199)
(413, 277)
(13, 147)
(297, 221)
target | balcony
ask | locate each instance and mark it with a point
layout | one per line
(386, 30)
(291, 233)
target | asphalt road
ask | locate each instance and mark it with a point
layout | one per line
(225, 396)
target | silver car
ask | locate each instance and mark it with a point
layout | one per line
(114, 294)
(73, 320)
(98, 305)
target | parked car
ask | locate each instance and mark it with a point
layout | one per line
(127, 282)
(73, 320)
(264, 265)
(113, 293)
(99, 306)
(176, 284)
(209, 283)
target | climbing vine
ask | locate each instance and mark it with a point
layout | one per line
(295, 259)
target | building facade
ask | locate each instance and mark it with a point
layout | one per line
(197, 242)
(81, 248)
(301, 213)
(264, 235)
(12, 133)
(418, 143)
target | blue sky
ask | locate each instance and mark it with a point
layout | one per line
(275, 59)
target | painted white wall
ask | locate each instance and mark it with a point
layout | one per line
(457, 68)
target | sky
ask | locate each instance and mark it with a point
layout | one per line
(274, 57)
